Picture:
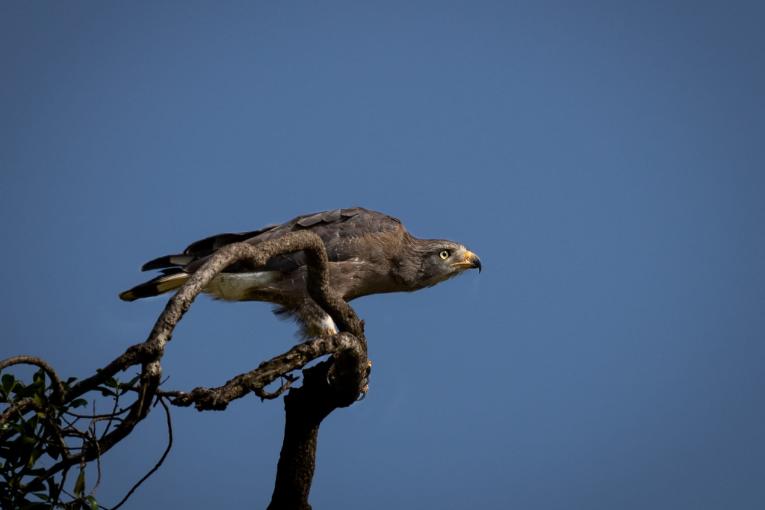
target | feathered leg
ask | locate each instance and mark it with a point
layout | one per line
(311, 319)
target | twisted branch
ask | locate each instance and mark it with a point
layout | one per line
(266, 373)
(343, 376)
(58, 388)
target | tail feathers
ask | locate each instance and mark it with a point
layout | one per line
(155, 287)
(167, 261)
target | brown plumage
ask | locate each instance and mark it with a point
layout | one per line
(369, 253)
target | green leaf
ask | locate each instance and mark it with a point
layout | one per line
(22, 391)
(131, 382)
(35, 485)
(38, 400)
(80, 402)
(39, 377)
(8, 382)
(54, 451)
(93, 503)
(106, 392)
(33, 456)
(41, 495)
(79, 485)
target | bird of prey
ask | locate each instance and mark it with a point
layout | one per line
(369, 253)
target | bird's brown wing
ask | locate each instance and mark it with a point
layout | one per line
(347, 234)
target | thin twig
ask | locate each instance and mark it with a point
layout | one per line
(98, 416)
(161, 459)
(270, 395)
(20, 408)
(92, 429)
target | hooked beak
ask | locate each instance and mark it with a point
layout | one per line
(469, 261)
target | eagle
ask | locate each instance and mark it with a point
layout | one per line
(369, 253)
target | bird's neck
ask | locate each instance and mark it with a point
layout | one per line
(407, 262)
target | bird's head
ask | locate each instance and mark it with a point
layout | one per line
(440, 260)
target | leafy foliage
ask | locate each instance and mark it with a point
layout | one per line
(38, 430)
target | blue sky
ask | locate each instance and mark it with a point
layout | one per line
(604, 159)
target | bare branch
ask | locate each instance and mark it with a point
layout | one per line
(20, 407)
(266, 373)
(336, 382)
(58, 388)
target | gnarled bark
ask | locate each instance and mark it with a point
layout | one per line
(333, 383)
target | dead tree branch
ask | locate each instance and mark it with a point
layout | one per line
(336, 382)
(267, 372)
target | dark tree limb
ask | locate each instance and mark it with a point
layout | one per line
(267, 372)
(335, 382)
(327, 386)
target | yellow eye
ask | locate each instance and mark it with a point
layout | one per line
(444, 254)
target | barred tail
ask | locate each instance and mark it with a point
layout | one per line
(155, 287)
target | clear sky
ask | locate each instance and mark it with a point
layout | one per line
(605, 160)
